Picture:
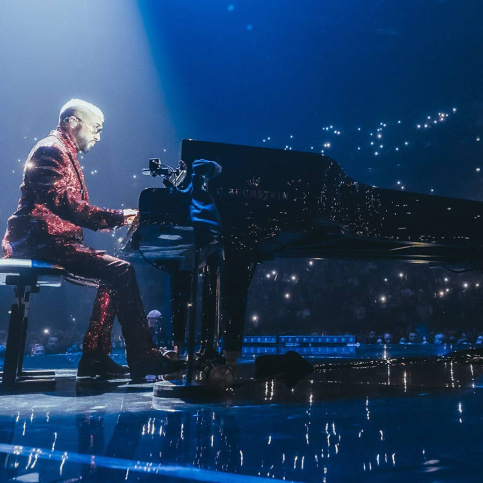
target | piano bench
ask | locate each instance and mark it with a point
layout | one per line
(27, 277)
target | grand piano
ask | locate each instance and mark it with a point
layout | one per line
(276, 203)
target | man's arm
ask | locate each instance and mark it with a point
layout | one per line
(46, 176)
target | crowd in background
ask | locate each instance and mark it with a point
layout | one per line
(378, 302)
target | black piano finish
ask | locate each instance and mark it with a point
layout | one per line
(162, 234)
(277, 203)
(291, 204)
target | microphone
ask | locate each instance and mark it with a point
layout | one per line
(175, 176)
(157, 169)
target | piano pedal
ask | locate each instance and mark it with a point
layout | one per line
(219, 375)
(208, 357)
(214, 369)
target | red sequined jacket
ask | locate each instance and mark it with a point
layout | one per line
(54, 204)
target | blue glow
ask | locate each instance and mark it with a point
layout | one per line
(181, 472)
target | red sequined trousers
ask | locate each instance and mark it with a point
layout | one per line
(118, 294)
(98, 335)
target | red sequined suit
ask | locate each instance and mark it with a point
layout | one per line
(53, 207)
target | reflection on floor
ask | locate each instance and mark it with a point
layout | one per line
(417, 418)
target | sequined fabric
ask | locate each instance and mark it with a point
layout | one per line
(53, 207)
(98, 335)
(54, 204)
(118, 294)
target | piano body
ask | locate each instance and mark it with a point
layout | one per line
(277, 203)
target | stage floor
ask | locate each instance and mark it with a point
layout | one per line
(398, 420)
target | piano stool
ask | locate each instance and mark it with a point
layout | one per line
(27, 277)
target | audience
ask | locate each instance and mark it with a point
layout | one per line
(378, 302)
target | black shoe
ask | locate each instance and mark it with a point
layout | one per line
(109, 368)
(156, 367)
(93, 364)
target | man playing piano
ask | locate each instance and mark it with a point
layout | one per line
(53, 209)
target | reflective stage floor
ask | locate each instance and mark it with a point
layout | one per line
(373, 419)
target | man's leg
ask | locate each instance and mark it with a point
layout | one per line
(122, 294)
(97, 340)
(130, 311)
(98, 335)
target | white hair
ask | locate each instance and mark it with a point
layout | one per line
(75, 107)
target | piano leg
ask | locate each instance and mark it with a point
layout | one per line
(180, 298)
(211, 303)
(192, 313)
(209, 261)
(238, 274)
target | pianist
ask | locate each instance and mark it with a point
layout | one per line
(53, 209)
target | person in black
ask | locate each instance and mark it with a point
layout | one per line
(206, 221)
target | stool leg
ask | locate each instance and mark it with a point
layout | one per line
(15, 336)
